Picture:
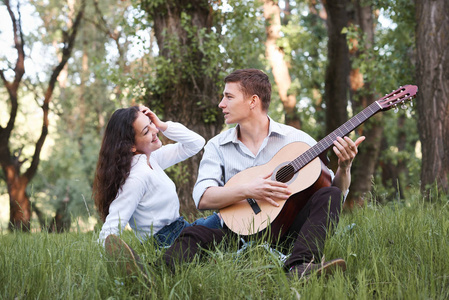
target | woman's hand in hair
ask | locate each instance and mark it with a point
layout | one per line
(153, 117)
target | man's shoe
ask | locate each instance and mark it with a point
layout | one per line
(126, 258)
(325, 268)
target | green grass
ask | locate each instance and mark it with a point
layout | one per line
(397, 251)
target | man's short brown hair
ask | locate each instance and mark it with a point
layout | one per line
(252, 82)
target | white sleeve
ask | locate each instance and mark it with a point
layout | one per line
(122, 208)
(210, 172)
(188, 144)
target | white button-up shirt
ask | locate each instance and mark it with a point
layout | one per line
(225, 155)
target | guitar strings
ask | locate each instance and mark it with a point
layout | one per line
(316, 150)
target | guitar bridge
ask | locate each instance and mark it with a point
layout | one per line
(254, 205)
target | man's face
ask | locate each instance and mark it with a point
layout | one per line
(235, 105)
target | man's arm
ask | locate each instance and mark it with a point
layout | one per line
(346, 150)
(261, 188)
(210, 191)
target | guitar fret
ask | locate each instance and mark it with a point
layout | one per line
(327, 141)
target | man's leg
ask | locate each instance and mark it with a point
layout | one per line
(190, 242)
(323, 213)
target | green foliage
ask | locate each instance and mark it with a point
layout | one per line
(69, 180)
(235, 41)
(397, 251)
(242, 33)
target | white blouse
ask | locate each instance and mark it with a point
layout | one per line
(148, 200)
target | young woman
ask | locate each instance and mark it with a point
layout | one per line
(130, 184)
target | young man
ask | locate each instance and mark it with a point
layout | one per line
(252, 142)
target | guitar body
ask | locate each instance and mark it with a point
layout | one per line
(240, 216)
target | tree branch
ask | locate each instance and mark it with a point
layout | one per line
(19, 69)
(69, 42)
(104, 26)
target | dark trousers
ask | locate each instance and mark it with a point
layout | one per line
(308, 232)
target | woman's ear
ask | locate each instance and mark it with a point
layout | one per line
(133, 149)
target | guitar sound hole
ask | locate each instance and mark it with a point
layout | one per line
(285, 173)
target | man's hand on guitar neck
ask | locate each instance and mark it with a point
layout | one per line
(346, 151)
(260, 188)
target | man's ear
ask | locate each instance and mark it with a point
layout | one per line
(254, 101)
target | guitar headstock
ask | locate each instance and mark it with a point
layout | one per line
(401, 95)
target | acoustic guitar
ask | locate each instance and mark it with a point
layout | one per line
(300, 166)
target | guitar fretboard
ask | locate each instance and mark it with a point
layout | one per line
(341, 131)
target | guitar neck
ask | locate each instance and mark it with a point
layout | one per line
(341, 131)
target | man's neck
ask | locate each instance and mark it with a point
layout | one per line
(253, 131)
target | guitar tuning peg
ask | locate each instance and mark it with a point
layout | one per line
(396, 109)
(411, 103)
(404, 106)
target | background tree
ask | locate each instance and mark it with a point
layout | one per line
(432, 76)
(279, 66)
(337, 71)
(363, 91)
(10, 159)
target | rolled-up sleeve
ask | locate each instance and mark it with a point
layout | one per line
(210, 172)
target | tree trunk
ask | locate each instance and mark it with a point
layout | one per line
(432, 77)
(190, 94)
(279, 66)
(337, 71)
(19, 203)
(366, 161)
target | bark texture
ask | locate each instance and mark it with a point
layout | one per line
(190, 94)
(336, 94)
(432, 77)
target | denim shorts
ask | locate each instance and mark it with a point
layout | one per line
(168, 234)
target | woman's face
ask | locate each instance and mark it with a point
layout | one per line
(146, 139)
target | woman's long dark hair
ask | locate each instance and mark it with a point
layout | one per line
(114, 159)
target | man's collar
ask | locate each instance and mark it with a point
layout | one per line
(232, 134)
(275, 128)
